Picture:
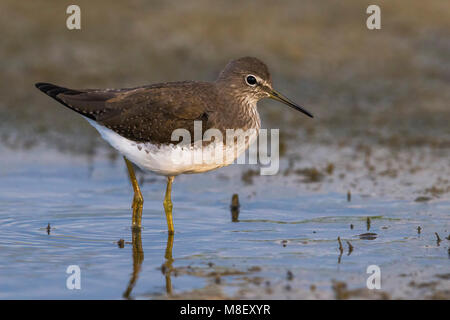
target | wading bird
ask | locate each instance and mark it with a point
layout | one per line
(139, 122)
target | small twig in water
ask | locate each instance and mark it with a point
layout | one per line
(438, 239)
(341, 248)
(350, 248)
(289, 275)
(235, 208)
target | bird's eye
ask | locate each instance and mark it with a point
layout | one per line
(251, 80)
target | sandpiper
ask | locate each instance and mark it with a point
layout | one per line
(139, 122)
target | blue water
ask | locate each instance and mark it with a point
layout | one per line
(282, 226)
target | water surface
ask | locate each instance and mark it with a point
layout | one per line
(283, 244)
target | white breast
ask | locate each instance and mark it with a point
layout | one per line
(172, 160)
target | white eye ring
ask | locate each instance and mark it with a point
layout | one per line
(251, 80)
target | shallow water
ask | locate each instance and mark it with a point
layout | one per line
(282, 228)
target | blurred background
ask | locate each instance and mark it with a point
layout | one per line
(387, 86)
(379, 146)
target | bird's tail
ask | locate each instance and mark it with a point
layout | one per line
(53, 91)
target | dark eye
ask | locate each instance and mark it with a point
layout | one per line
(251, 80)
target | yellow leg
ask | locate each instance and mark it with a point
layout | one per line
(168, 205)
(138, 200)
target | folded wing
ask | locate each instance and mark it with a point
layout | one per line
(143, 114)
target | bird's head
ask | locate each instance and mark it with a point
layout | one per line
(249, 80)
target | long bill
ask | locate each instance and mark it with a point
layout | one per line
(273, 94)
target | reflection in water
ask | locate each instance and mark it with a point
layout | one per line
(167, 267)
(138, 258)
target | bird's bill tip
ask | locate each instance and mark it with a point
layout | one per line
(273, 94)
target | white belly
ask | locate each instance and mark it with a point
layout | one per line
(172, 160)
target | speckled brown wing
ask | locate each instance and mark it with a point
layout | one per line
(143, 114)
